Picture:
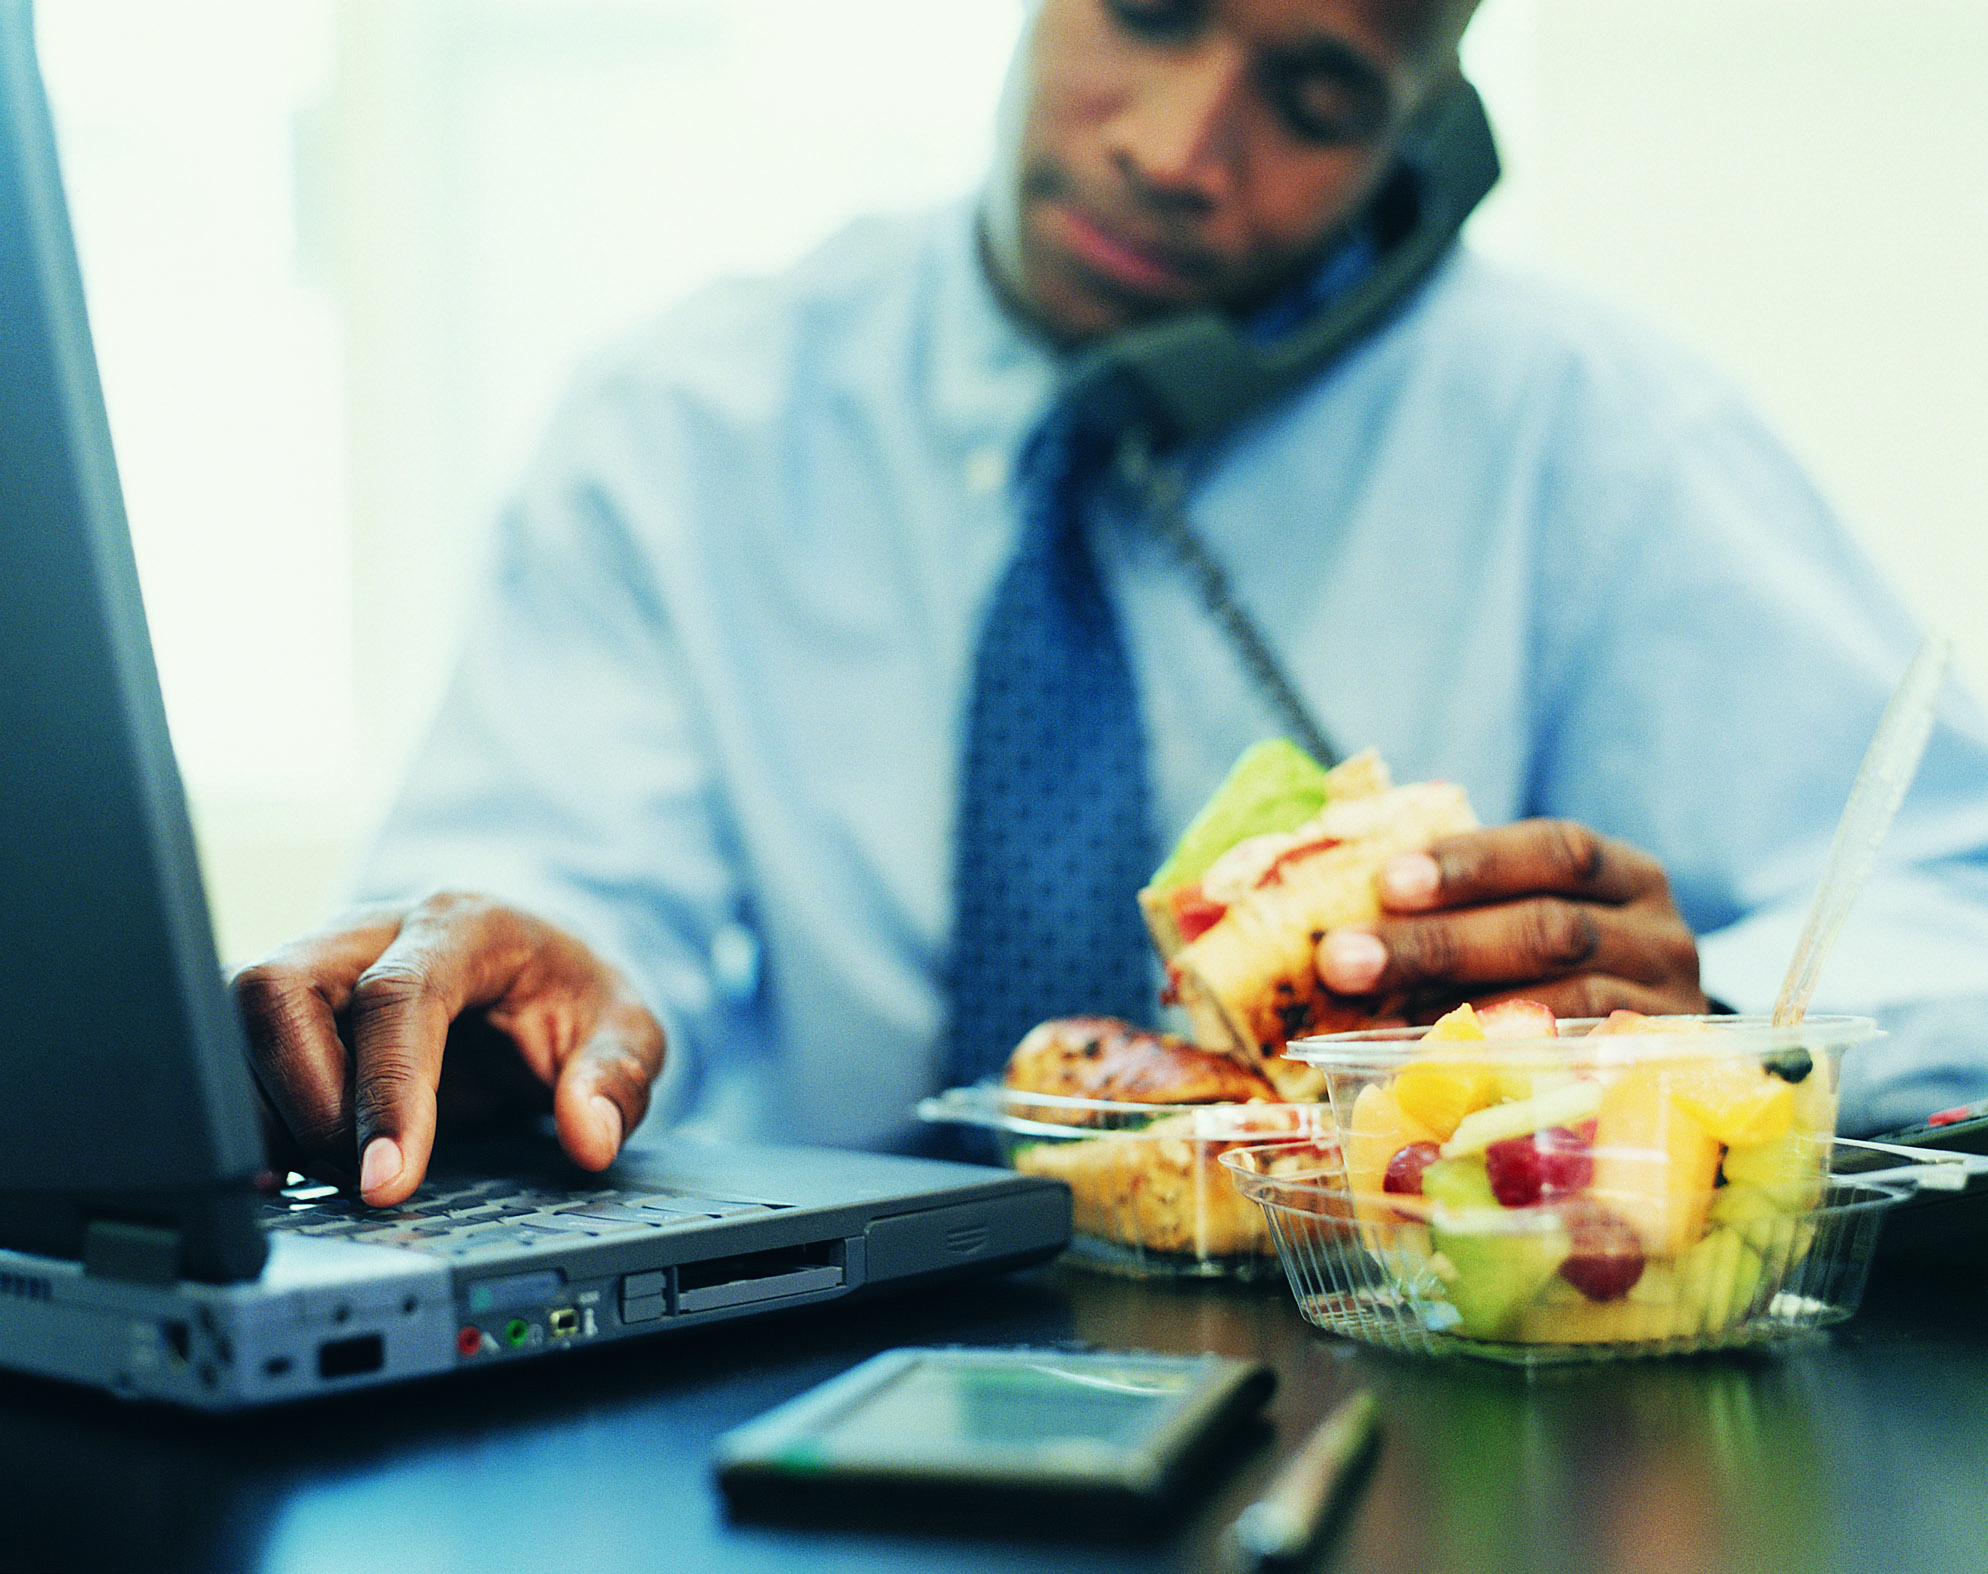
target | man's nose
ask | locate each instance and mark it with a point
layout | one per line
(1179, 133)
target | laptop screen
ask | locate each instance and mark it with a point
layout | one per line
(125, 1100)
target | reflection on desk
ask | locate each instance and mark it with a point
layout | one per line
(1864, 1449)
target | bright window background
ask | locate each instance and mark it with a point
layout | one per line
(342, 255)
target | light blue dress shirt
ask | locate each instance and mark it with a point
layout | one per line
(709, 709)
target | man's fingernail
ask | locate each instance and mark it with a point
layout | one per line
(1351, 961)
(381, 1164)
(1411, 877)
(607, 1115)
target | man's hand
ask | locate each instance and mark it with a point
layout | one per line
(347, 1029)
(1544, 908)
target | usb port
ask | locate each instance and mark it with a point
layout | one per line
(564, 1322)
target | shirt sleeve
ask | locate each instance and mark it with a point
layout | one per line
(1710, 678)
(568, 769)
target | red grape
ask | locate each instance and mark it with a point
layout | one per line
(1541, 1165)
(1607, 1258)
(1517, 1175)
(1567, 1158)
(1404, 1170)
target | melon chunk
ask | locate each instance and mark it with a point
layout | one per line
(1376, 1131)
(1497, 1259)
(1567, 1105)
(1654, 1164)
(1786, 1172)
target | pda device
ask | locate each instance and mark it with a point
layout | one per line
(1016, 1440)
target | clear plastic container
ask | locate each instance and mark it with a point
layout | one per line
(1579, 1196)
(1149, 1195)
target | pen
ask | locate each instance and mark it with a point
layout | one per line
(1280, 1526)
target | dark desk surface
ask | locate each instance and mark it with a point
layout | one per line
(1864, 1450)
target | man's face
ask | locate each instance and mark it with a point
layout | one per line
(1161, 155)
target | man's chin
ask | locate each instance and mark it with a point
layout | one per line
(1074, 311)
(1070, 303)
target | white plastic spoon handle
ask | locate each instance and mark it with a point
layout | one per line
(1889, 766)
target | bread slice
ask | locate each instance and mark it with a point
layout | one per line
(1250, 982)
(1104, 1058)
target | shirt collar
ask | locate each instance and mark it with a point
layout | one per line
(991, 377)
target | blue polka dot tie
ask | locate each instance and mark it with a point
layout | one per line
(1053, 839)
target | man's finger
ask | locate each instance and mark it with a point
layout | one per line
(1531, 857)
(289, 1004)
(1540, 938)
(603, 1088)
(451, 953)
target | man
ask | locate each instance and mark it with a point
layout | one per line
(702, 763)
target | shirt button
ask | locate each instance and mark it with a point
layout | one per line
(735, 963)
(986, 471)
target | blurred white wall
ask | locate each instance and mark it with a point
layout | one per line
(342, 255)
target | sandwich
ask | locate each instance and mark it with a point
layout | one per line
(1283, 854)
(1151, 1180)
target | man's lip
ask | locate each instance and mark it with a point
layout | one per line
(1129, 265)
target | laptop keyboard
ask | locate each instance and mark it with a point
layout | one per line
(451, 1219)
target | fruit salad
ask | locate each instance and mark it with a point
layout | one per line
(1629, 1179)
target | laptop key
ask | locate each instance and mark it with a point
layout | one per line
(563, 1221)
(670, 1202)
(610, 1210)
(309, 1193)
(388, 1237)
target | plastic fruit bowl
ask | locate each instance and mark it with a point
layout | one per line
(1393, 1295)
(1149, 1195)
(1596, 1189)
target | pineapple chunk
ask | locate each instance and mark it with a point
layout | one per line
(1436, 1091)
(1735, 1100)
(1461, 1023)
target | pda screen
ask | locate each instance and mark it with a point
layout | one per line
(934, 1407)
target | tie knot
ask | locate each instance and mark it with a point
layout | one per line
(1076, 443)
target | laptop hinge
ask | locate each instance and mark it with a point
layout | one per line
(117, 1249)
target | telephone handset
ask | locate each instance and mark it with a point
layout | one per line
(1200, 372)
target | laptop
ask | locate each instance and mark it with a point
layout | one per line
(137, 1253)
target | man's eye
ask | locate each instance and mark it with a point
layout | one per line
(1326, 109)
(1157, 19)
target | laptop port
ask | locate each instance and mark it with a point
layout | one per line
(516, 1332)
(721, 1282)
(352, 1357)
(564, 1323)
